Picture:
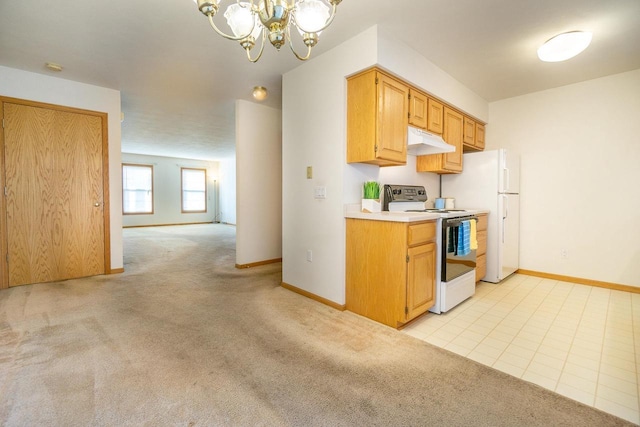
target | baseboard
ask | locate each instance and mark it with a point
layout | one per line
(256, 264)
(116, 270)
(341, 307)
(581, 281)
(167, 225)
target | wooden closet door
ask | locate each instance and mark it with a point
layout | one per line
(54, 194)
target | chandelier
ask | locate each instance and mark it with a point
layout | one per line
(251, 20)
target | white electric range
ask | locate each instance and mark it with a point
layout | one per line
(455, 265)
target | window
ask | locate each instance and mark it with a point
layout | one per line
(194, 190)
(137, 189)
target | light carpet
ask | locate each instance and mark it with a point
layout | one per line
(184, 338)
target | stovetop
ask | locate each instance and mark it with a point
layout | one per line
(411, 198)
(445, 213)
(434, 210)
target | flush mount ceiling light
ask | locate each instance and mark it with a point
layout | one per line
(249, 20)
(564, 46)
(260, 93)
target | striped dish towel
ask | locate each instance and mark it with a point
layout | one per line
(464, 238)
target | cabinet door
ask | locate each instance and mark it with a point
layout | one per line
(421, 279)
(435, 116)
(393, 100)
(481, 253)
(417, 109)
(479, 136)
(481, 237)
(481, 267)
(453, 132)
(469, 137)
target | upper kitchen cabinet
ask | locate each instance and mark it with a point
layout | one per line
(417, 109)
(479, 136)
(473, 135)
(435, 119)
(424, 112)
(469, 137)
(453, 134)
(377, 109)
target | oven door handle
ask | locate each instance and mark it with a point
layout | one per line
(454, 222)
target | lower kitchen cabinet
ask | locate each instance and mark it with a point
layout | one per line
(390, 269)
(481, 252)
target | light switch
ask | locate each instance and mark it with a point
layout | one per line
(309, 172)
(320, 192)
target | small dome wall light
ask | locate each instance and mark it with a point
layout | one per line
(260, 93)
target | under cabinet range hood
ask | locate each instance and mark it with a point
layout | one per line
(421, 142)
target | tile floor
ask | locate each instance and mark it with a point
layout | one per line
(577, 340)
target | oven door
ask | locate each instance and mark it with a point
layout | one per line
(454, 262)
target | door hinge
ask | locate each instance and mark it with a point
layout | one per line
(407, 258)
(5, 191)
(409, 115)
(409, 96)
(375, 148)
(406, 310)
(377, 80)
(2, 123)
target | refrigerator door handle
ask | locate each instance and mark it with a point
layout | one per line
(505, 199)
(507, 184)
(505, 215)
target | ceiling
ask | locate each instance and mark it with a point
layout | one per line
(179, 80)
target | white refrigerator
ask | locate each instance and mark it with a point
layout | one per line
(490, 180)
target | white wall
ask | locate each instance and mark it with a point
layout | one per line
(227, 174)
(166, 191)
(420, 72)
(42, 88)
(580, 160)
(259, 183)
(314, 129)
(415, 69)
(314, 134)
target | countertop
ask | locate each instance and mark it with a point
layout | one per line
(354, 211)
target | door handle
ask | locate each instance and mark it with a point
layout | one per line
(505, 212)
(505, 215)
(507, 184)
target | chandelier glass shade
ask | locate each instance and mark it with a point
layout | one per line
(254, 21)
